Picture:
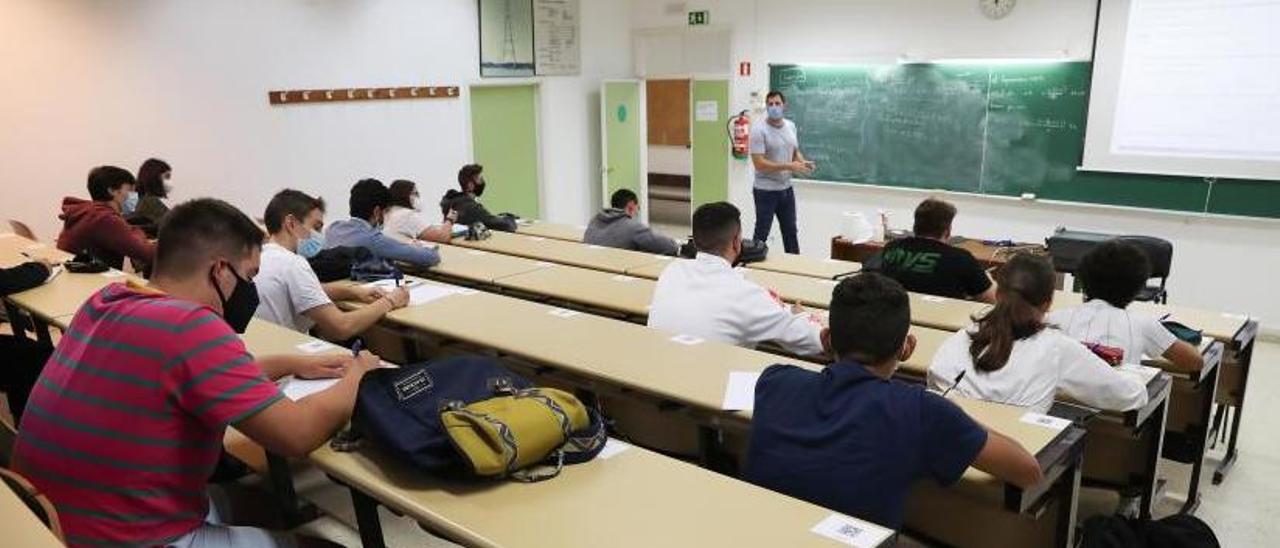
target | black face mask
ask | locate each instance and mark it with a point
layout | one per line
(238, 309)
(478, 190)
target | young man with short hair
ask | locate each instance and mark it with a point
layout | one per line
(98, 226)
(617, 227)
(370, 200)
(708, 298)
(852, 439)
(127, 420)
(467, 202)
(776, 156)
(290, 291)
(926, 263)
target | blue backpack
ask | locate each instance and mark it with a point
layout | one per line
(398, 409)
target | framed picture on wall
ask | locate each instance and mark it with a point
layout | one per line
(506, 38)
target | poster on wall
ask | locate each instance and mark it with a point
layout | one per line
(506, 38)
(556, 37)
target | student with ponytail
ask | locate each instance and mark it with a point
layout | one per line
(1010, 355)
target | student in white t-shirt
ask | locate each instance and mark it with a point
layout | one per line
(1010, 355)
(1113, 274)
(406, 220)
(289, 292)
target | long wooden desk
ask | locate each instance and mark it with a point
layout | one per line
(21, 526)
(596, 291)
(474, 265)
(989, 256)
(606, 501)
(14, 250)
(545, 229)
(596, 257)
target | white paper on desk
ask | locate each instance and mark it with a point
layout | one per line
(740, 391)
(933, 299)
(612, 448)
(54, 273)
(316, 346)
(391, 283)
(851, 532)
(1046, 421)
(537, 238)
(475, 252)
(594, 246)
(113, 273)
(563, 313)
(687, 340)
(1142, 372)
(424, 294)
(296, 389)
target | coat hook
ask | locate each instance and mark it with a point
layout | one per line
(284, 97)
(351, 94)
(328, 94)
(391, 93)
(306, 96)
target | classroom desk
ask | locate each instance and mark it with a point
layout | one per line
(827, 269)
(66, 293)
(13, 246)
(596, 257)
(20, 525)
(555, 231)
(478, 266)
(612, 293)
(988, 256)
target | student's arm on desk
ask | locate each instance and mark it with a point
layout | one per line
(1184, 356)
(1004, 458)
(295, 429)
(337, 324)
(346, 291)
(306, 367)
(763, 320)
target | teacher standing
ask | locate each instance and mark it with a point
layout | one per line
(775, 153)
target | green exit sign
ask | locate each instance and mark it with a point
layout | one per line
(699, 18)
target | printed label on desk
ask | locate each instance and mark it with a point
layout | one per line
(1053, 423)
(740, 391)
(537, 238)
(832, 283)
(544, 264)
(594, 246)
(475, 252)
(1230, 316)
(664, 257)
(612, 448)
(315, 346)
(113, 273)
(688, 340)
(933, 299)
(851, 532)
(467, 291)
(624, 278)
(563, 313)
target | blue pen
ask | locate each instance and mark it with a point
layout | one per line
(357, 347)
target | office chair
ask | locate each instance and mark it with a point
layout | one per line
(1160, 253)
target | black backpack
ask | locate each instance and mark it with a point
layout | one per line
(334, 264)
(1178, 531)
(753, 251)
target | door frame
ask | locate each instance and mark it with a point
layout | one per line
(642, 118)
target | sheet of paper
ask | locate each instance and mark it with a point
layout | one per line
(1046, 421)
(391, 283)
(707, 111)
(933, 299)
(113, 273)
(563, 313)
(296, 389)
(851, 532)
(1140, 371)
(740, 392)
(688, 340)
(475, 252)
(426, 293)
(316, 346)
(612, 448)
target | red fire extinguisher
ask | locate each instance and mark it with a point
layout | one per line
(740, 134)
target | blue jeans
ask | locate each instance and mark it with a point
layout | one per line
(783, 204)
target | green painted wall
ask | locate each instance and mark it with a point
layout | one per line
(622, 137)
(504, 139)
(710, 180)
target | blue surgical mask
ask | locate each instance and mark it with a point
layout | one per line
(130, 203)
(311, 246)
(775, 112)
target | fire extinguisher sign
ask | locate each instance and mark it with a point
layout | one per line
(744, 68)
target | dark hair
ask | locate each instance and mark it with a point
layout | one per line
(467, 173)
(289, 202)
(104, 179)
(1115, 272)
(1025, 284)
(933, 218)
(149, 181)
(621, 198)
(715, 226)
(368, 195)
(775, 93)
(195, 231)
(402, 193)
(870, 317)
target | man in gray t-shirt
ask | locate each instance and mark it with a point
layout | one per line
(775, 153)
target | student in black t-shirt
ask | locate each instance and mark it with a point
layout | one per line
(926, 263)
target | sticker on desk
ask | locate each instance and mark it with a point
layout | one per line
(832, 283)
(740, 391)
(476, 252)
(467, 291)
(851, 532)
(1230, 316)
(663, 257)
(612, 448)
(624, 278)
(537, 238)
(933, 299)
(113, 273)
(544, 264)
(687, 340)
(563, 313)
(594, 246)
(1053, 423)
(315, 346)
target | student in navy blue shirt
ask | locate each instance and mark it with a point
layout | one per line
(852, 439)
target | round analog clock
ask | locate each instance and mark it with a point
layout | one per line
(997, 9)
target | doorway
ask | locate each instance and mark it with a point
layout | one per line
(670, 156)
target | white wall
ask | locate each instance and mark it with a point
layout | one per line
(90, 83)
(1218, 263)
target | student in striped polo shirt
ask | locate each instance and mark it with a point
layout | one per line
(126, 422)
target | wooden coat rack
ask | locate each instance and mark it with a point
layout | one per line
(295, 96)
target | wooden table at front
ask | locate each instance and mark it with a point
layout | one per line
(556, 231)
(61, 296)
(989, 256)
(827, 269)
(20, 525)
(612, 294)
(15, 250)
(596, 257)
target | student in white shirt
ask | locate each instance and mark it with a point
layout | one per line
(707, 298)
(289, 291)
(1011, 356)
(1113, 274)
(406, 220)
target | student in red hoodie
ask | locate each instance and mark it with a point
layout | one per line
(97, 226)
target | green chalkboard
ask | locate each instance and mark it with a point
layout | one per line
(1003, 129)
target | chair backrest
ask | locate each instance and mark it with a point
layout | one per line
(1159, 251)
(35, 501)
(20, 228)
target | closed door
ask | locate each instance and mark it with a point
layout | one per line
(622, 131)
(710, 143)
(504, 139)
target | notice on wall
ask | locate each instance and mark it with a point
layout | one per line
(557, 35)
(707, 111)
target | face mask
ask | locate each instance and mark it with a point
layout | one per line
(168, 189)
(478, 190)
(775, 112)
(416, 203)
(130, 203)
(238, 309)
(311, 246)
